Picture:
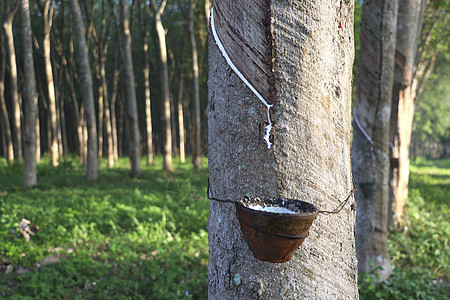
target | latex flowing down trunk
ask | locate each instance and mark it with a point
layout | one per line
(403, 103)
(311, 57)
(370, 150)
(13, 88)
(29, 96)
(197, 153)
(86, 91)
(132, 115)
(164, 77)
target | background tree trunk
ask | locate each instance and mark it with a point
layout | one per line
(47, 20)
(145, 34)
(3, 111)
(408, 25)
(310, 160)
(181, 119)
(38, 132)
(108, 126)
(132, 115)
(86, 90)
(13, 88)
(370, 150)
(164, 75)
(207, 11)
(197, 153)
(115, 81)
(29, 97)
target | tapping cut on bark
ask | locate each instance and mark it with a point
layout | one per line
(249, 56)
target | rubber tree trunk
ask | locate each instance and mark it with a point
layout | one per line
(310, 158)
(197, 153)
(108, 124)
(370, 150)
(207, 10)
(29, 96)
(3, 111)
(164, 77)
(144, 16)
(115, 81)
(132, 115)
(181, 128)
(47, 20)
(13, 88)
(402, 102)
(86, 91)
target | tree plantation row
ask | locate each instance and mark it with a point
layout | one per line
(110, 79)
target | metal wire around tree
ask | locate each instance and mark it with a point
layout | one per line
(325, 212)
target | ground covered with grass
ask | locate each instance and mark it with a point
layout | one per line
(420, 249)
(118, 237)
(145, 238)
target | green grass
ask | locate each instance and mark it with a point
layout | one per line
(118, 237)
(145, 238)
(420, 250)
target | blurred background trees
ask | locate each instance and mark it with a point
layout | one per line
(170, 107)
(178, 90)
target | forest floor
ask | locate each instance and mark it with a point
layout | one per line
(146, 238)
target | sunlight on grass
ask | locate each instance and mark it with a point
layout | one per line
(420, 250)
(117, 237)
(146, 238)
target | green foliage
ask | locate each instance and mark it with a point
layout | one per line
(145, 238)
(432, 112)
(118, 237)
(402, 284)
(420, 249)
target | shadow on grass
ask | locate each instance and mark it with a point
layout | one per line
(138, 237)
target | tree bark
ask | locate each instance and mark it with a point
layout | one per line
(145, 33)
(181, 120)
(9, 154)
(197, 153)
(310, 158)
(402, 102)
(38, 133)
(47, 20)
(370, 150)
(108, 126)
(115, 81)
(121, 121)
(164, 76)
(87, 91)
(207, 11)
(13, 89)
(29, 97)
(132, 115)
